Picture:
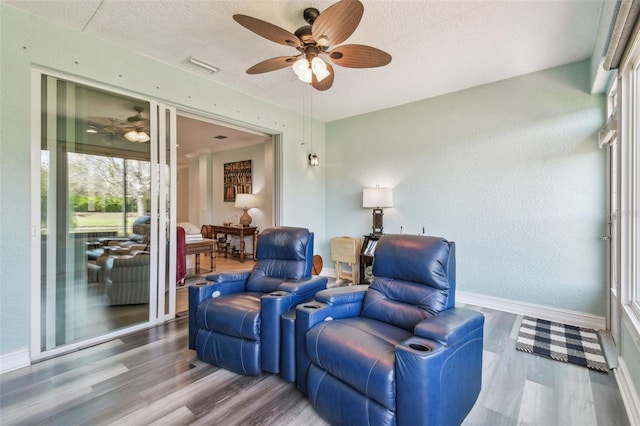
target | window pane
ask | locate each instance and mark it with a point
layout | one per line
(95, 191)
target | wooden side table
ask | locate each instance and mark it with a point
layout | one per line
(212, 231)
(205, 246)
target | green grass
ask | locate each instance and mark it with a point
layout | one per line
(101, 221)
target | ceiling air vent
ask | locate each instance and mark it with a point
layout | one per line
(221, 137)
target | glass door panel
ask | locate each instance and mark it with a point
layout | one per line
(96, 216)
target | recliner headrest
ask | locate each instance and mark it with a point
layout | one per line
(286, 243)
(415, 258)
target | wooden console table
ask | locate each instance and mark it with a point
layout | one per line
(212, 231)
(205, 246)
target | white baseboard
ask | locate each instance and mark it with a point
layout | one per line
(14, 360)
(579, 319)
(328, 272)
(627, 392)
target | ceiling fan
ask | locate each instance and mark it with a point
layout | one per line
(134, 129)
(315, 41)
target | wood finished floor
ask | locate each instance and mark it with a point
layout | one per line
(151, 378)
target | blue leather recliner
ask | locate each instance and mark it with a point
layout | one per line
(234, 322)
(397, 352)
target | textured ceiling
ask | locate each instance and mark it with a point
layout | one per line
(437, 47)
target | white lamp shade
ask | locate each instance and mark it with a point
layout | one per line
(246, 201)
(377, 197)
(319, 69)
(306, 76)
(300, 66)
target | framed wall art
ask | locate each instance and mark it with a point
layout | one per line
(237, 179)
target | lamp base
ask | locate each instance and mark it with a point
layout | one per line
(245, 219)
(377, 227)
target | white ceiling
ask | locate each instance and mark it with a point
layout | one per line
(438, 46)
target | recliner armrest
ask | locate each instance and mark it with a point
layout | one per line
(345, 302)
(228, 276)
(330, 304)
(306, 286)
(225, 282)
(450, 326)
(342, 295)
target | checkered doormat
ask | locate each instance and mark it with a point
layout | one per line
(561, 342)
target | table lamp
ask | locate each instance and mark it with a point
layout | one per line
(377, 198)
(245, 202)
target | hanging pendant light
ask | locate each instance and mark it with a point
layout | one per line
(314, 160)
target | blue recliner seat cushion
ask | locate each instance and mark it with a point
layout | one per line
(346, 350)
(237, 315)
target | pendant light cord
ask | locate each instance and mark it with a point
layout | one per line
(311, 118)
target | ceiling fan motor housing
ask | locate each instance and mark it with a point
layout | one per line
(310, 15)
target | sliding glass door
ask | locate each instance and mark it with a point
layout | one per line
(103, 226)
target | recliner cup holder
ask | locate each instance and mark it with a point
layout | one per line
(310, 306)
(419, 347)
(276, 293)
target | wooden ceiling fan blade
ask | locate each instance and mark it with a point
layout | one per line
(337, 22)
(359, 56)
(268, 30)
(272, 64)
(326, 82)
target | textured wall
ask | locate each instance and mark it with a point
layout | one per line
(511, 171)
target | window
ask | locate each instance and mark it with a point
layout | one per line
(629, 170)
(91, 181)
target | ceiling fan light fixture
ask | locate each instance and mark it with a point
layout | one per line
(319, 68)
(307, 76)
(325, 30)
(300, 66)
(323, 41)
(136, 136)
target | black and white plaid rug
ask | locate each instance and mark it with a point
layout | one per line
(561, 342)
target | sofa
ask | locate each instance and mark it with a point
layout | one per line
(397, 352)
(137, 240)
(125, 278)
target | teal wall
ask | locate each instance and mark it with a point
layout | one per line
(27, 41)
(511, 171)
